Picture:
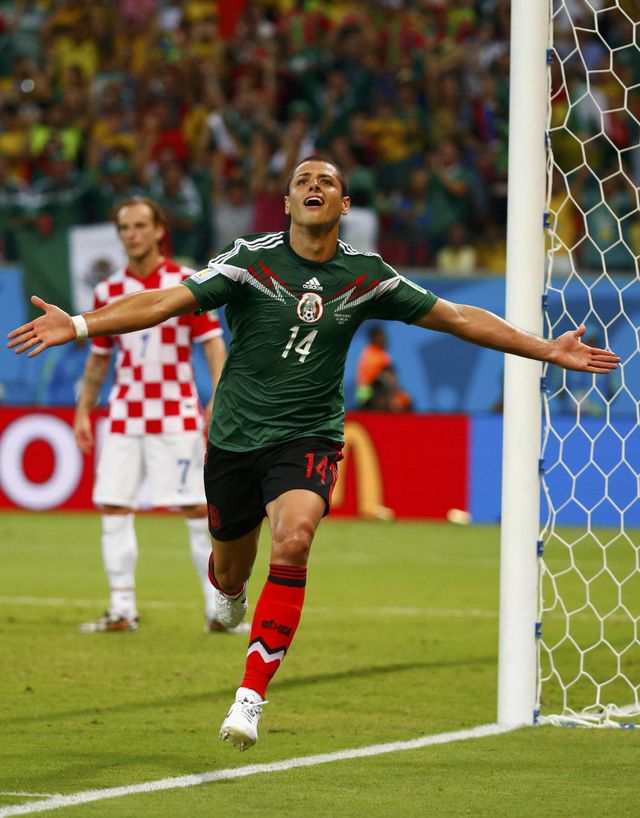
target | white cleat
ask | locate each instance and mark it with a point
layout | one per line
(110, 622)
(240, 728)
(213, 626)
(230, 611)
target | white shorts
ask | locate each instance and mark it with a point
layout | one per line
(172, 464)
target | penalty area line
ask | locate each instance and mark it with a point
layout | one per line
(183, 781)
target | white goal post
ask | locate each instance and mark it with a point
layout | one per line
(569, 647)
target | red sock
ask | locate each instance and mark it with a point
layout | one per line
(274, 624)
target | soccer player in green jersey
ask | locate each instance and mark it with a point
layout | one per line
(293, 302)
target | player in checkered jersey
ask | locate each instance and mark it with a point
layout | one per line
(155, 426)
(293, 301)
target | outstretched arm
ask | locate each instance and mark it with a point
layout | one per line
(489, 330)
(133, 312)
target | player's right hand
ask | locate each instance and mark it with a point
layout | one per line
(49, 330)
(83, 432)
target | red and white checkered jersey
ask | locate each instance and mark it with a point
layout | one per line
(154, 390)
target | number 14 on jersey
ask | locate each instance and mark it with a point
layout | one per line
(303, 347)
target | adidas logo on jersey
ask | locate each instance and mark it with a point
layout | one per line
(312, 284)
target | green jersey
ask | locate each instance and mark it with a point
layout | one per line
(291, 323)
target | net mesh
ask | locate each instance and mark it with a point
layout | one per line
(588, 645)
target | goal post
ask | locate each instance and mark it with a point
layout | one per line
(528, 105)
(569, 637)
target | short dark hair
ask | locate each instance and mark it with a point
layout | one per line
(154, 207)
(376, 330)
(319, 157)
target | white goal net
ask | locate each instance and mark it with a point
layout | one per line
(589, 588)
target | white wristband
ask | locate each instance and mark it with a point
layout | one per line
(82, 330)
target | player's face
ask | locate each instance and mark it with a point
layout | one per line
(315, 195)
(138, 232)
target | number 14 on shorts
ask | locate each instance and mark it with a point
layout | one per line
(320, 467)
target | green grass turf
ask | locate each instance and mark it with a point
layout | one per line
(398, 640)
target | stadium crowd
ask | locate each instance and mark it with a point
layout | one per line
(206, 106)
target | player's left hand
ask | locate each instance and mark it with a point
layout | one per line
(53, 328)
(571, 353)
(208, 411)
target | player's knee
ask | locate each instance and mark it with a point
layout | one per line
(292, 547)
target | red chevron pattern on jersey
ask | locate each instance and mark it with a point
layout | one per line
(154, 391)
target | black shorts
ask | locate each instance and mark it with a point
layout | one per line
(239, 485)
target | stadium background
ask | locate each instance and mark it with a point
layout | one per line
(207, 105)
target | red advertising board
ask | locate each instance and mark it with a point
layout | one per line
(402, 465)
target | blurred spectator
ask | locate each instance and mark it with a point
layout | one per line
(12, 192)
(234, 122)
(267, 189)
(59, 197)
(74, 45)
(392, 136)
(492, 249)
(179, 198)
(54, 128)
(386, 394)
(334, 101)
(565, 221)
(450, 110)
(25, 20)
(232, 213)
(162, 133)
(115, 182)
(373, 359)
(14, 138)
(458, 257)
(449, 189)
(608, 208)
(267, 186)
(112, 128)
(360, 227)
(361, 144)
(298, 139)
(410, 223)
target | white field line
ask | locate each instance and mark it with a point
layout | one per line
(183, 781)
(32, 794)
(313, 610)
(59, 602)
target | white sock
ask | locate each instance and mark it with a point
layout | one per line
(200, 546)
(247, 694)
(120, 555)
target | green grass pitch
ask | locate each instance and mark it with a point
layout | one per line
(398, 640)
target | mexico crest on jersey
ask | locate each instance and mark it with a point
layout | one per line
(310, 308)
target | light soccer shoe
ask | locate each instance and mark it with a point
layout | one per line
(110, 622)
(230, 611)
(213, 626)
(240, 728)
